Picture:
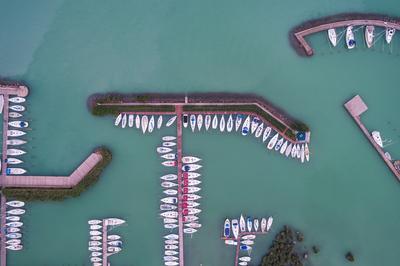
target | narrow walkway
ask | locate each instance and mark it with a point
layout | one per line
(5, 131)
(104, 242)
(356, 107)
(53, 181)
(3, 250)
(178, 109)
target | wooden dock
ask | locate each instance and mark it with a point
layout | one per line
(3, 250)
(5, 130)
(300, 35)
(104, 243)
(356, 107)
(178, 109)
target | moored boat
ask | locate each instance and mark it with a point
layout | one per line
(249, 223)
(96, 238)
(171, 236)
(168, 138)
(185, 120)
(246, 126)
(16, 211)
(191, 196)
(163, 150)
(256, 224)
(168, 184)
(288, 150)
(137, 121)
(376, 135)
(259, 130)
(151, 124)
(12, 114)
(15, 133)
(190, 190)
(190, 175)
(145, 123)
(307, 152)
(207, 121)
(302, 153)
(235, 228)
(94, 233)
(1, 103)
(170, 200)
(94, 248)
(254, 124)
(190, 159)
(15, 142)
(159, 122)
(269, 223)
(171, 247)
(389, 34)
(266, 134)
(113, 221)
(283, 148)
(350, 41)
(95, 227)
(169, 144)
(332, 37)
(169, 156)
(189, 230)
(199, 121)
(272, 141)
(18, 124)
(15, 152)
(242, 224)
(222, 124)
(17, 108)
(130, 120)
(113, 237)
(263, 224)
(191, 167)
(16, 99)
(192, 122)
(13, 218)
(94, 221)
(227, 228)
(124, 120)
(279, 144)
(169, 177)
(14, 247)
(169, 163)
(369, 35)
(13, 242)
(170, 121)
(238, 121)
(15, 171)
(14, 235)
(14, 224)
(231, 242)
(15, 203)
(229, 125)
(214, 124)
(170, 192)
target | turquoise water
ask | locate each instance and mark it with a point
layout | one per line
(344, 199)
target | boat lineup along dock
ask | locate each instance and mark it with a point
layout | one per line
(3, 250)
(342, 20)
(356, 107)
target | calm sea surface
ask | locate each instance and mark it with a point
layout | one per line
(344, 199)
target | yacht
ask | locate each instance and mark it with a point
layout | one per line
(14, 235)
(170, 221)
(115, 243)
(247, 242)
(170, 258)
(169, 163)
(96, 254)
(235, 228)
(288, 150)
(269, 223)
(191, 182)
(170, 121)
(170, 192)
(283, 148)
(350, 41)
(96, 238)
(94, 221)
(222, 124)
(159, 122)
(11, 160)
(191, 197)
(246, 259)
(254, 124)
(14, 247)
(14, 224)
(199, 122)
(171, 247)
(279, 144)
(191, 167)
(118, 120)
(15, 152)
(307, 153)
(192, 122)
(95, 259)
(169, 156)
(17, 108)
(137, 121)
(169, 144)
(13, 242)
(168, 184)
(15, 203)
(376, 135)
(231, 242)
(18, 124)
(272, 141)
(169, 177)
(12, 114)
(144, 122)
(242, 224)
(294, 151)
(15, 171)
(298, 153)
(95, 233)
(246, 126)
(249, 223)
(190, 190)
(190, 204)
(256, 224)
(302, 153)
(369, 35)
(15, 133)
(130, 120)
(263, 224)
(17, 100)
(171, 236)
(193, 225)
(15, 142)
(214, 124)
(190, 159)
(189, 230)
(185, 120)
(168, 138)
(229, 125)
(389, 34)
(16, 211)
(259, 130)
(151, 124)
(238, 121)
(170, 200)
(266, 134)
(13, 230)
(190, 175)
(13, 218)
(207, 121)
(163, 150)
(113, 237)
(95, 227)
(190, 218)
(94, 248)
(124, 119)
(113, 221)
(332, 37)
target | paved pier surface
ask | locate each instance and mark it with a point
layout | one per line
(104, 246)
(5, 130)
(17, 90)
(178, 110)
(53, 181)
(356, 107)
(3, 250)
(300, 35)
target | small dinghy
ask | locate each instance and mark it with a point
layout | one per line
(169, 177)
(15, 171)
(163, 150)
(144, 122)
(94, 222)
(207, 121)
(113, 237)
(185, 120)
(14, 115)
(222, 124)
(191, 167)
(170, 121)
(15, 142)
(159, 122)
(259, 130)
(137, 121)
(369, 35)
(273, 141)
(130, 120)
(170, 192)
(246, 126)
(168, 138)
(190, 159)
(15, 152)
(118, 120)
(16, 211)
(215, 122)
(389, 34)
(151, 124)
(15, 203)
(266, 134)
(17, 100)
(227, 228)
(332, 37)
(169, 156)
(238, 122)
(350, 41)
(17, 108)
(124, 120)
(169, 144)
(18, 124)
(229, 125)
(15, 133)
(192, 122)
(235, 228)
(199, 122)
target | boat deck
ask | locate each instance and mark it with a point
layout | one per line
(356, 107)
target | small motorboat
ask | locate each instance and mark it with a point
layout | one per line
(115, 243)
(266, 134)
(12, 114)
(96, 254)
(16, 211)
(171, 247)
(170, 221)
(332, 37)
(95, 233)
(207, 121)
(245, 247)
(171, 252)
(288, 150)
(15, 171)
(215, 122)
(269, 223)
(376, 135)
(15, 203)
(12, 230)
(14, 224)
(170, 192)
(169, 144)
(15, 142)
(192, 122)
(193, 225)
(163, 150)
(113, 237)
(389, 34)
(170, 200)
(238, 122)
(307, 152)
(15, 152)
(137, 121)
(124, 120)
(169, 163)
(259, 130)
(222, 124)
(254, 124)
(17, 108)
(190, 159)
(247, 242)
(283, 147)
(17, 100)
(113, 221)
(169, 177)
(231, 242)
(242, 224)
(96, 238)
(263, 224)
(191, 182)
(273, 141)
(190, 190)
(350, 41)
(199, 122)
(302, 153)
(94, 248)
(190, 218)
(168, 184)
(18, 124)
(169, 156)
(130, 120)
(14, 235)
(191, 167)
(190, 175)
(13, 242)
(191, 197)
(189, 230)
(159, 122)
(15, 133)
(151, 124)
(170, 121)
(14, 247)
(369, 35)
(13, 218)
(249, 223)
(172, 236)
(246, 126)
(256, 224)
(94, 222)
(279, 144)
(235, 228)
(229, 125)
(145, 123)
(170, 226)
(168, 138)
(185, 120)
(227, 228)
(95, 226)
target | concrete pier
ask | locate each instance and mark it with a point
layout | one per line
(356, 107)
(3, 250)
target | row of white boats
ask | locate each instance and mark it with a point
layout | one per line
(113, 242)
(369, 35)
(14, 225)
(143, 122)
(13, 133)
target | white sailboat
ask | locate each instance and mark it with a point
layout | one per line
(170, 121)
(298, 151)
(144, 122)
(130, 120)
(113, 237)
(17, 108)
(15, 203)
(192, 122)
(272, 141)
(199, 122)
(15, 171)
(369, 35)
(15, 152)
(16, 211)
(283, 148)
(163, 150)
(159, 122)
(254, 124)
(238, 121)
(269, 223)
(169, 144)
(15, 133)
(18, 124)
(169, 177)
(229, 125)
(1, 103)
(94, 248)
(222, 124)
(15, 142)
(207, 121)
(95, 221)
(332, 37)
(151, 124)
(170, 192)
(191, 167)
(350, 41)
(118, 120)
(302, 153)
(376, 135)
(17, 100)
(214, 122)
(259, 130)
(246, 126)
(168, 138)
(169, 156)
(389, 34)
(266, 134)
(190, 159)
(288, 150)
(113, 221)
(15, 114)
(263, 224)
(294, 151)
(242, 224)
(95, 227)
(137, 121)
(124, 119)
(307, 153)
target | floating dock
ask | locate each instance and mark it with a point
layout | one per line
(356, 107)
(3, 250)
